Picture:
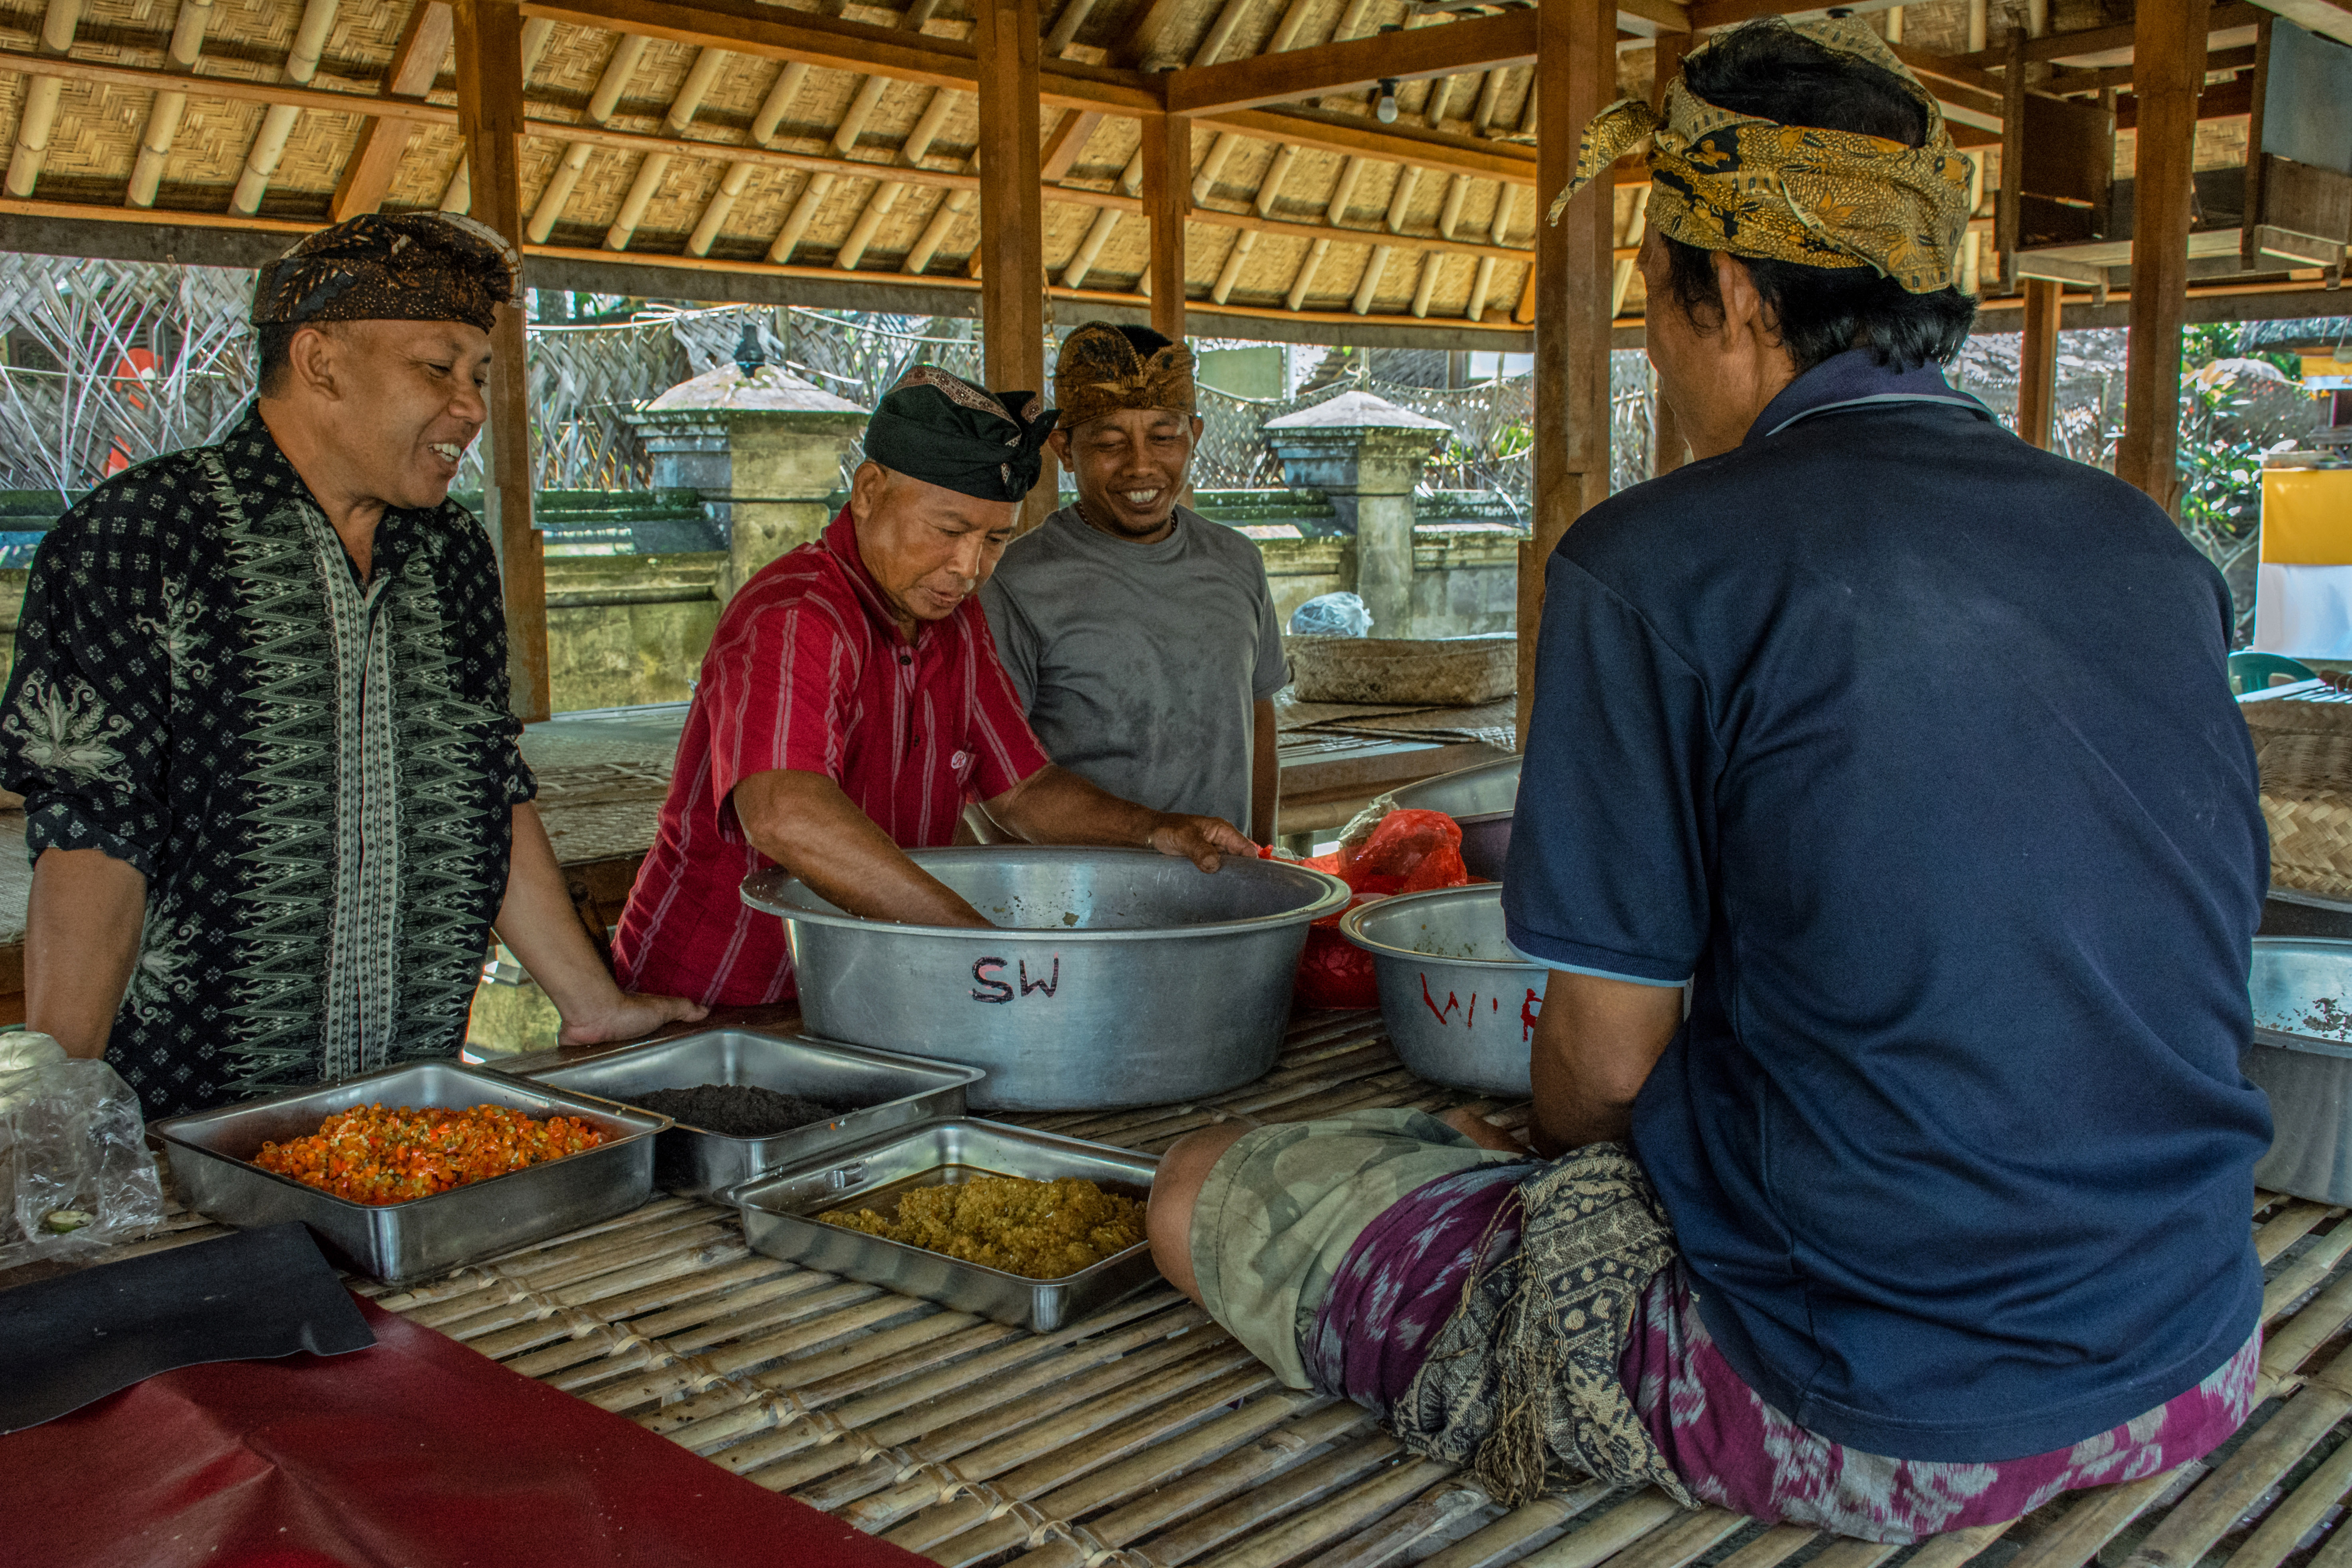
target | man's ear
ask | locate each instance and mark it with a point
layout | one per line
(1058, 441)
(865, 488)
(1198, 426)
(310, 360)
(1743, 307)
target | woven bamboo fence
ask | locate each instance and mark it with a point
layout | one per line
(1144, 1436)
(2304, 748)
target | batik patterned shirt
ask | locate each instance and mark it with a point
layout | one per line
(316, 776)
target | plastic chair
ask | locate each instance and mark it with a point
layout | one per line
(2250, 671)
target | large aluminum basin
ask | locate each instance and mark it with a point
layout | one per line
(1482, 800)
(2301, 1055)
(1119, 977)
(1459, 1004)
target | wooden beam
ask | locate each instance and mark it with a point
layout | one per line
(1355, 64)
(238, 89)
(2008, 201)
(1653, 18)
(1576, 72)
(1167, 195)
(2037, 362)
(2169, 60)
(2223, 100)
(2249, 246)
(490, 109)
(2095, 41)
(1359, 135)
(2330, 18)
(748, 28)
(1012, 210)
(382, 141)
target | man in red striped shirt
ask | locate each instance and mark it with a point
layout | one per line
(852, 704)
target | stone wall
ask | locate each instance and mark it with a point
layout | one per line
(628, 629)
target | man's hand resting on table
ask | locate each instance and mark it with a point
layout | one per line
(626, 1016)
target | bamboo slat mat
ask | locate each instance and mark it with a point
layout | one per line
(1144, 1436)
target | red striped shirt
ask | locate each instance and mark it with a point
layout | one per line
(807, 672)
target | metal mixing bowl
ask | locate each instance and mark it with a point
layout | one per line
(1459, 1004)
(1481, 799)
(2300, 1057)
(1119, 977)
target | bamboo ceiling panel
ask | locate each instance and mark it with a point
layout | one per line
(95, 144)
(1144, 1436)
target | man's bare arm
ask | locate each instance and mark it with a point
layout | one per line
(81, 938)
(1055, 805)
(805, 824)
(1595, 1043)
(537, 922)
(1265, 770)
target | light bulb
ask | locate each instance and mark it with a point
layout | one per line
(1384, 111)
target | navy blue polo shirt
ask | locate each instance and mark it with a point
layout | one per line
(1913, 746)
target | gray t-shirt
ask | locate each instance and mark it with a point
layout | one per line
(1138, 663)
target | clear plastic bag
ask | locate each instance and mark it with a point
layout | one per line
(1331, 615)
(75, 1173)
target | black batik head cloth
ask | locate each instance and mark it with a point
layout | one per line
(413, 267)
(942, 429)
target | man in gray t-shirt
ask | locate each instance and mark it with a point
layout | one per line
(1140, 636)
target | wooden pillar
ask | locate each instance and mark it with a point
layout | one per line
(2168, 73)
(2037, 362)
(2009, 200)
(1011, 216)
(1668, 446)
(1576, 76)
(490, 122)
(1167, 197)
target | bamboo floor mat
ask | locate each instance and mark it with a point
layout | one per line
(1144, 1436)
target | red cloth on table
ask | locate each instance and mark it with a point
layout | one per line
(807, 672)
(418, 1451)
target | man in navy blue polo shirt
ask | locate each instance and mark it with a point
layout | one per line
(1909, 749)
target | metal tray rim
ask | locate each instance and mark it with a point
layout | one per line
(961, 1075)
(168, 1131)
(742, 1196)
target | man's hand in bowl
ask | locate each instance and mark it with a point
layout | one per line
(1203, 840)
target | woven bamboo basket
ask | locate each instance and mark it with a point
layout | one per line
(1444, 672)
(2304, 753)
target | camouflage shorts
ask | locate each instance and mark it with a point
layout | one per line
(1282, 1205)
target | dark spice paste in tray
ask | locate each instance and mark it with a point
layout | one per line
(735, 1110)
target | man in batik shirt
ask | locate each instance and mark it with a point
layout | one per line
(273, 794)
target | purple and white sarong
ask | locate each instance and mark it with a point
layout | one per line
(1405, 1277)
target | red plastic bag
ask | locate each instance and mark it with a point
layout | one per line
(1408, 852)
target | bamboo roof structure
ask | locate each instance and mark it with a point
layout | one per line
(739, 149)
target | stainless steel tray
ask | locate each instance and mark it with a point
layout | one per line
(211, 1153)
(888, 1092)
(780, 1218)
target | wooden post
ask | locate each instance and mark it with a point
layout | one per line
(2037, 362)
(2249, 249)
(1167, 197)
(2008, 201)
(1576, 75)
(490, 122)
(1011, 216)
(2168, 73)
(1668, 445)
